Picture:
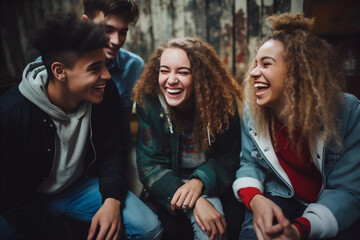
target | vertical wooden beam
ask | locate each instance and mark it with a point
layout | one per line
(254, 27)
(189, 17)
(267, 9)
(240, 36)
(200, 19)
(226, 34)
(282, 6)
(213, 23)
(140, 37)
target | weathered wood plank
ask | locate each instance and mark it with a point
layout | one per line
(241, 48)
(227, 34)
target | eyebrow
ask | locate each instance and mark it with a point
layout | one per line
(94, 64)
(264, 58)
(177, 68)
(267, 57)
(116, 29)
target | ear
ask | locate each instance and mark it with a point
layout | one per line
(58, 69)
(84, 17)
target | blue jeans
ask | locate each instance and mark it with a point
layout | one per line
(291, 209)
(198, 233)
(82, 201)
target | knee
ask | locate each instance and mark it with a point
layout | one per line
(153, 230)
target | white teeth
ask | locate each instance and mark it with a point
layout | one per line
(100, 86)
(261, 85)
(174, 91)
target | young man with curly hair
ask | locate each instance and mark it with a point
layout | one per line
(62, 147)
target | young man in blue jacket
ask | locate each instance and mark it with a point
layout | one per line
(62, 145)
(124, 66)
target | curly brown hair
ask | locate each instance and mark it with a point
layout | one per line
(314, 83)
(215, 89)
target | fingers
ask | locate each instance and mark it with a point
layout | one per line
(221, 227)
(259, 229)
(198, 221)
(92, 229)
(211, 231)
(103, 232)
(175, 199)
(114, 229)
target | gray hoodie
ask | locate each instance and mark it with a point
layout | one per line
(72, 138)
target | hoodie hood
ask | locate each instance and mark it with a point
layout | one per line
(33, 87)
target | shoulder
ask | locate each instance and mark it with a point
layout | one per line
(129, 57)
(11, 99)
(349, 107)
(349, 114)
(246, 118)
(149, 102)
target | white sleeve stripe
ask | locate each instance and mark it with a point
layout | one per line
(322, 221)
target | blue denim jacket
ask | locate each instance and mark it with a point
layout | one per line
(338, 204)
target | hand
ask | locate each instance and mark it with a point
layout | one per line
(264, 211)
(186, 195)
(289, 231)
(108, 218)
(209, 219)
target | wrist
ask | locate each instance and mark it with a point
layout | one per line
(112, 201)
(301, 229)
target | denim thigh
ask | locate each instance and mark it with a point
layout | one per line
(198, 233)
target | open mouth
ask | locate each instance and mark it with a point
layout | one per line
(261, 86)
(174, 91)
(102, 86)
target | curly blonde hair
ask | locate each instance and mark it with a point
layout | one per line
(314, 83)
(215, 90)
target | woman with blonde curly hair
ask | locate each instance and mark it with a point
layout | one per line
(188, 141)
(299, 165)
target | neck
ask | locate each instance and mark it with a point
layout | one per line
(58, 96)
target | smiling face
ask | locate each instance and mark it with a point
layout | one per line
(175, 78)
(269, 75)
(87, 79)
(116, 31)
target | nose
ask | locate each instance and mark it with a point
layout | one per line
(255, 72)
(105, 74)
(115, 38)
(172, 79)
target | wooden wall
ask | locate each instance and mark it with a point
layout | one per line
(232, 27)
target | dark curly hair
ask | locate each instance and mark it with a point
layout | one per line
(215, 90)
(65, 38)
(314, 82)
(129, 10)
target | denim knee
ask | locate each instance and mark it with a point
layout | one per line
(153, 231)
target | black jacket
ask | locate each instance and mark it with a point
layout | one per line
(27, 138)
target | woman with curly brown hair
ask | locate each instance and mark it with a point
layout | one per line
(189, 132)
(299, 165)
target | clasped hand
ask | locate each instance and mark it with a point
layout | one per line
(264, 211)
(205, 214)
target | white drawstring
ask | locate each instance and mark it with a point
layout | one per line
(208, 135)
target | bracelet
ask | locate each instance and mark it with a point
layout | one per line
(303, 229)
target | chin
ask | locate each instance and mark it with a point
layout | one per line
(111, 57)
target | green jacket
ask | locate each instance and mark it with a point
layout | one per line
(157, 154)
